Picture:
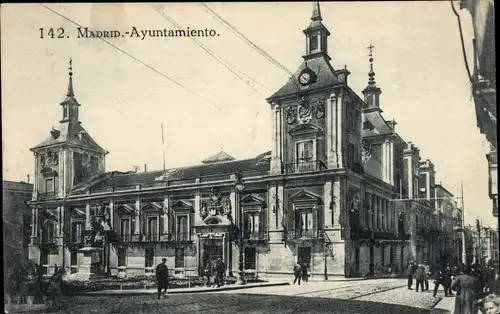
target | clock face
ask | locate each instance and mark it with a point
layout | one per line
(305, 78)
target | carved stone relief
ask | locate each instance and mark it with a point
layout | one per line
(49, 159)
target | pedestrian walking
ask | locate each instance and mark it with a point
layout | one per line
(427, 272)
(490, 304)
(220, 269)
(305, 275)
(440, 280)
(55, 286)
(410, 272)
(297, 271)
(419, 277)
(447, 281)
(162, 278)
(468, 290)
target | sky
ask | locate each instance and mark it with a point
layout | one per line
(418, 64)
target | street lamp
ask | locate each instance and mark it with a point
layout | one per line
(239, 187)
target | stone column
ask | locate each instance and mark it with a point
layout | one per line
(87, 217)
(112, 212)
(34, 224)
(36, 177)
(61, 184)
(166, 211)
(275, 139)
(137, 217)
(328, 204)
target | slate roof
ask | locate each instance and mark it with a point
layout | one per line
(378, 123)
(325, 77)
(17, 186)
(67, 133)
(259, 163)
(219, 157)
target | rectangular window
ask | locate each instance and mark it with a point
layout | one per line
(179, 257)
(305, 151)
(74, 258)
(94, 164)
(149, 257)
(125, 229)
(250, 258)
(313, 43)
(152, 228)
(49, 185)
(304, 255)
(252, 227)
(182, 228)
(122, 256)
(77, 232)
(305, 223)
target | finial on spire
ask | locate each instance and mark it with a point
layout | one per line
(70, 84)
(371, 74)
(316, 16)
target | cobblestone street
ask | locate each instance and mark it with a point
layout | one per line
(364, 296)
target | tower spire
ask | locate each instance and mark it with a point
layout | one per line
(372, 92)
(316, 16)
(371, 74)
(70, 84)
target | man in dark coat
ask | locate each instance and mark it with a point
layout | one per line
(420, 276)
(410, 271)
(468, 292)
(297, 271)
(162, 277)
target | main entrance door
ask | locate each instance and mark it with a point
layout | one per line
(213, 249)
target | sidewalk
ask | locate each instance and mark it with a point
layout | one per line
(186, 290)
(446, 305)
(317, 278)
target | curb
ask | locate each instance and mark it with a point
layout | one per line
(178, 291)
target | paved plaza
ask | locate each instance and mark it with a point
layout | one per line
(350, 297)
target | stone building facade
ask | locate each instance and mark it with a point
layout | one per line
(323, 195)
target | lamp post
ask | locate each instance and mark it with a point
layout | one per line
(239, 187)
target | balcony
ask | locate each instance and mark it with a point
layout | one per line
(48, 240)
(75, 238)
(125, 237)
(255, 236)
(46, 195)
(302, 235)
(305, 166)
(152, 237)
(183, 236)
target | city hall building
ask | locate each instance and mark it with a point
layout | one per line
(321, 195)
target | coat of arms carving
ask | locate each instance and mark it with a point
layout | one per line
(320, 109)
(305, 110)
(49, 159)
(291, 114)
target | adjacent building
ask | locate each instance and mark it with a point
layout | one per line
(16, 222)
(325, 194)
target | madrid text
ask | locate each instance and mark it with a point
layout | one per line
(85, 32)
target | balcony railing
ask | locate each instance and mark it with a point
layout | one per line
(125, 237)
(152, 237)
(48, 240)
(183, 236)
(305, 166)
(303, 234)
(255, 235)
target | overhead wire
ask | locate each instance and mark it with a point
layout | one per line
(138, 60)
(226, 64)
(233, 29)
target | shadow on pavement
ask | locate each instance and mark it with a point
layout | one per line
(222, 303)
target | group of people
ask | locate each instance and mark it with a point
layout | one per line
(476, 288)
(300, 273)
(214, 272)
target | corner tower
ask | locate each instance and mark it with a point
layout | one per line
(68, 155)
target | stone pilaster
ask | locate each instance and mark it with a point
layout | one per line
(334, 131)
(34, 224)
(276, 138)
(87, 217)
(112, 212)
(36, 177)
(137, 217)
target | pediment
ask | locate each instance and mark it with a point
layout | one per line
(125, 209)
(305, 197)
(152, 206)
(77, 213)
(181, 205)
(253, 201)
(304, 129)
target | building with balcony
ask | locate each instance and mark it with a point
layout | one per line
(483, 81)
(322, 195)
(16, 222)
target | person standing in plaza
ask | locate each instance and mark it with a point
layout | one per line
(297, 271)
(419, 277)
(427, 274)
(447, 281)
(438, 280)
(410, 271)
(305, 275)
(468, 290)
(162, 278)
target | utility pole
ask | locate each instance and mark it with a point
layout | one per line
(464, 254)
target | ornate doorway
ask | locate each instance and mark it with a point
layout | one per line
(213, 249)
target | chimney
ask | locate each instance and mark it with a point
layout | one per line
(145, 168)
